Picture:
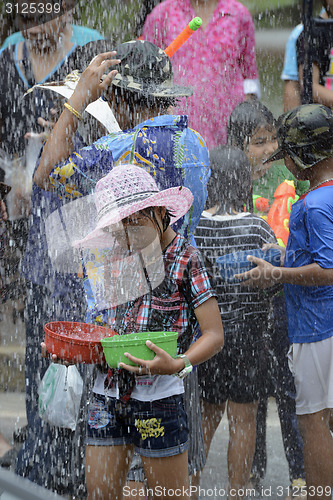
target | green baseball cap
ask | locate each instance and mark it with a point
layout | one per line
(305, 134)
(146, 69)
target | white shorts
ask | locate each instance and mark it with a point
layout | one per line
(312, 367)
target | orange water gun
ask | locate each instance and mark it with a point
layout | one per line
(260, 204)
(279, 214)
(183, 36)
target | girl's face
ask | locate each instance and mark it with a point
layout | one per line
(137, 231)
(262, 144)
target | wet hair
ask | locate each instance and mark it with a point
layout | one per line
(245, 120)
(138, 101)
(230, 183)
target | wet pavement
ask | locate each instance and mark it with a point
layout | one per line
(12, 413)
(275, 484)
(213, 484)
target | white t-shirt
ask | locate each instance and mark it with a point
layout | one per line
(146, 388)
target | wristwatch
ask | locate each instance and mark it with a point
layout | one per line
(187, 369)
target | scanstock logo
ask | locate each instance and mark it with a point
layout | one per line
(31, 13)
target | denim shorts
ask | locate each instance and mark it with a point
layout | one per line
(155, 428)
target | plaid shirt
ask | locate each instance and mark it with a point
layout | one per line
(171, 305)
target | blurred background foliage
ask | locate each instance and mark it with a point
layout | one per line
(121, 18)
(110, 15)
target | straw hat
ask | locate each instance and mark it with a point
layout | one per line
(128, 189)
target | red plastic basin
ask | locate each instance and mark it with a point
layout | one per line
(76, 342)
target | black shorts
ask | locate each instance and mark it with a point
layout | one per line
(237, 372)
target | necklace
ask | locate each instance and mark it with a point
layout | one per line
(319, 184)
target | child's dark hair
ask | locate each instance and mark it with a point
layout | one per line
(245, 120)
(137, 100)
(230, 183)
(149, 213)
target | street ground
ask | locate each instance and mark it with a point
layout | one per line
(213, 483)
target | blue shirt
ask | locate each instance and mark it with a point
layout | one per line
(310, 308)
(290, 67)
(170, 151)
(36, 265)
(80, 36)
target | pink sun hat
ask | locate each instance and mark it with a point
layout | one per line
(128, 189)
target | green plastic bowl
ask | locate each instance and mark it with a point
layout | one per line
(135, 344)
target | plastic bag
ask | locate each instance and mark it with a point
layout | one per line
(19, 173)
(60, 393)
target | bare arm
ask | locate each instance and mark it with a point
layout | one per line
(212, 336)
(59, 145)
(311, 275)
(321, 94)
(250, 97)
(265, 275)
(3, 211)
(276, 246)
(291, 95)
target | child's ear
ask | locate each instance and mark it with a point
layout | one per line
(162, 212)
(165, 222)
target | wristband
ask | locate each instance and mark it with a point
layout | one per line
(187, 369)
(73, 111)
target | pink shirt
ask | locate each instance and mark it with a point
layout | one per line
(215, 62)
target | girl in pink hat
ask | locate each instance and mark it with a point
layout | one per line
(140, 408)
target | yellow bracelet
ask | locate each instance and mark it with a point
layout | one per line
(73, 111)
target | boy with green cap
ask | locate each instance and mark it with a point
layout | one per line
(305, 142)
